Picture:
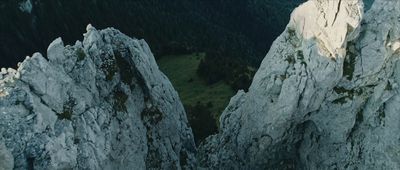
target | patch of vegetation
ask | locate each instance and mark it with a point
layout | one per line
(341, 90)
(300, 55)
(294, 40)
(382, 114)
(214, 67)
(283, 77)
(202, 121)
(292, 32)
(347, 94)
(125, 69)
(388, 87)
(76, 140)
(66, 114)
(109, 68)
(120, 99)
(183, 158)
(67, 111)
(341, 100)
(182, 72)
(360, 116)
(153, 159)
(371, 86)
(203, 102)
(80, 53)
(349, 62)
(152, 115)
(290, 59)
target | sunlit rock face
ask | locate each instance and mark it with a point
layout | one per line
(326, 95)
(332, 23)
(99, 104)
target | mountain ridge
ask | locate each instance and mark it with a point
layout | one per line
(101, 103)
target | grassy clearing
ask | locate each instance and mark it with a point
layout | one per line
(181, 70)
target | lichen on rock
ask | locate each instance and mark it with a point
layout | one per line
(337, 105)
(81, 108)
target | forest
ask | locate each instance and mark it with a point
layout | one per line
(236, 29)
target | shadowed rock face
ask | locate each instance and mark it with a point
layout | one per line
(99, 104)
(325, 96)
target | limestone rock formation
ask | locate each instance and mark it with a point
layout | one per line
(326, 95)
(99, 104)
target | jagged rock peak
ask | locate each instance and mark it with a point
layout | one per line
(332, 22)
(310, 109)
(99, 104)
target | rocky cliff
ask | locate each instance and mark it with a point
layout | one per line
(325, 97)
(99, 104)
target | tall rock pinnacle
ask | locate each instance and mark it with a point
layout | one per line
(332, 23)
(326, 95)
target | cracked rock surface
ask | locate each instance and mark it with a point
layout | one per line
(99, 104)
(326, 95)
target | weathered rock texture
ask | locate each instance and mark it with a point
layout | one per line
(325, 97)
(100, 104)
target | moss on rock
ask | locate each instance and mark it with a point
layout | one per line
(67, 111)
(153, 115)
(120, 99)
(80, 54)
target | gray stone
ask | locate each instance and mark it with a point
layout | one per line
(6, 158)
(326, 95)
(100, 104)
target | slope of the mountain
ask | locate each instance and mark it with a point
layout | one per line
(325, 97)
(99, 104)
